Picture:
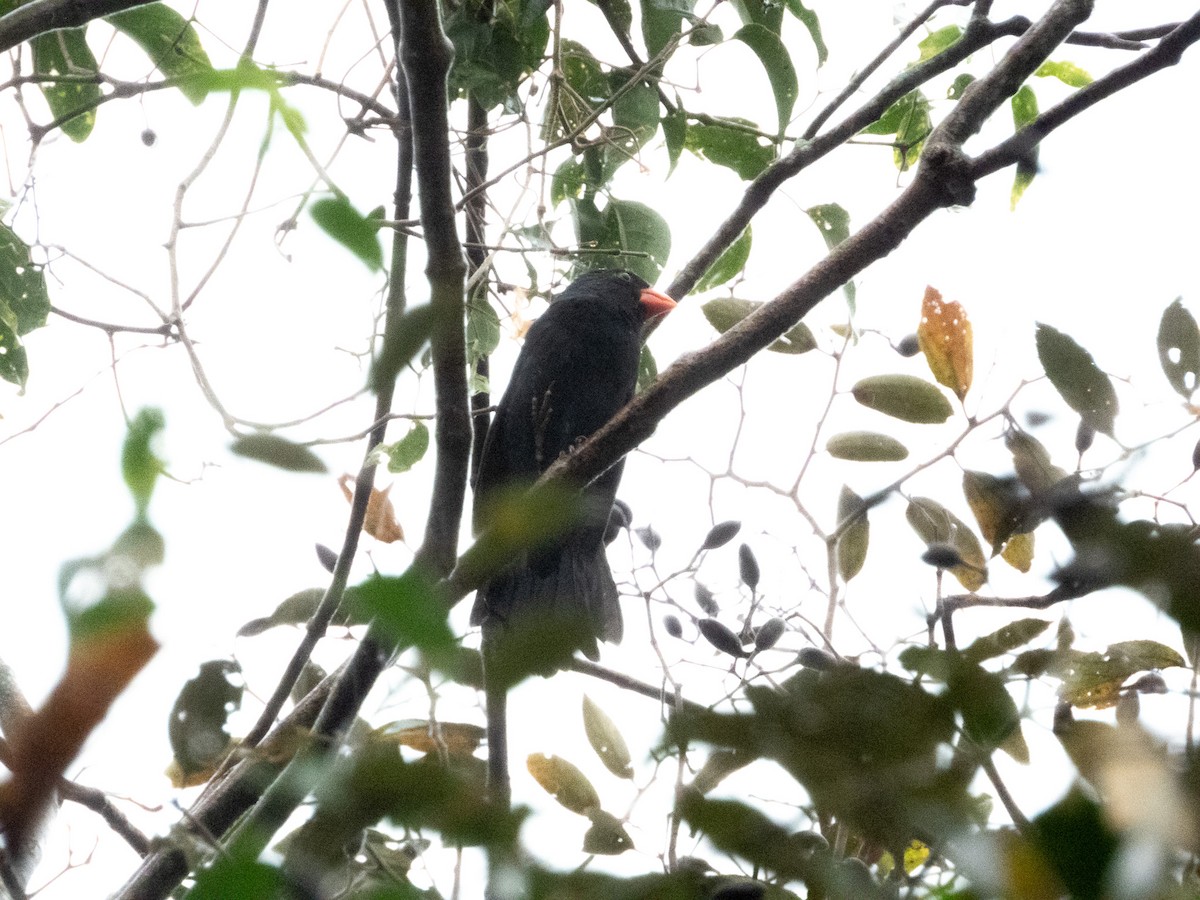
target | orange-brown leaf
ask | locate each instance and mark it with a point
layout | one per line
(380, 522)
(945, 338)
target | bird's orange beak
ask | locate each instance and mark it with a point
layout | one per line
(656, 303)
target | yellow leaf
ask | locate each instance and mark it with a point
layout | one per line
(1018, 552)
(945, 338)
(564, 782)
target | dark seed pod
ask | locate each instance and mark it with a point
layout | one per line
(816, 658)
(720, 535)
(768, 634)
(672, 625)
(326, 557)
(149, 137)
(649, 537)
(909, 345)
(1084, 435)
(943, 556)
(720, 637)
(706, 601)
(1196, 456)
(621, 516)
(748, 567)
(740, 890)
(1150, 683)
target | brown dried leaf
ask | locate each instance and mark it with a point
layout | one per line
(945, 338)
(380, 522)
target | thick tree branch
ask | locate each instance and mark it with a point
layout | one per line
(1163, 55)
(426, 59)
(31, 19)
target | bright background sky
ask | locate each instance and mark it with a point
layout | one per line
(1100, 244)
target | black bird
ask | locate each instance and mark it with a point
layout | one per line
(578, 367)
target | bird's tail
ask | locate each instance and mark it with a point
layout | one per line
(550, 606)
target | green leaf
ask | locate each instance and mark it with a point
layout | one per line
(833, 222)
(338, 218)
(647, 368)
(938, 41)
(1077, 844)
(1077, 378)
(409, 450)
(606, 836)
(1024, 107)
(903, 397)
(852, 545)
(729, 264)
(1032, 462)
(403, 339)
(483, 328)
(279, 452)
(1005, 640)
(908, 121)
(662, 20)
(810, 21)
(140, 466)
(640, 233)
(725, 312)
(66, 53)
(743, 831)
(635, 121)
(866, 446)
(494, 53)
(14, 360)
(674, 128)
(732, 148)
(960, 84)
(171, 43)
(197, 727)
(989, 714)
(1178, 349)
(1066, 72)
(606, 739)
(411, 611)
(778, 65)
(1024, 110)
(236, 877)
(24, 303)
(706, 34)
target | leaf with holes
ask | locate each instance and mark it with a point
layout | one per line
(1077, 378)
(1179, 349)
(945, 338)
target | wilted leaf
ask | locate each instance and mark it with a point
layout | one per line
(852, 545)
(903, 397)
(1018, 551)
(197, 727)
(937, 525)
(996, 503)
(276, 451)
(606, 739)
(455, 738)
(606, 836)
(945, 338)
(380, 521)
(564, 782)
(1005, 640)
(1077, 378)
(866, 446)
(1179, 348)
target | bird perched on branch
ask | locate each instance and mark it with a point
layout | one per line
(578, 367)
